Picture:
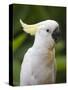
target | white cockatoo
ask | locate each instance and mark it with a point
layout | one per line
(38, 66)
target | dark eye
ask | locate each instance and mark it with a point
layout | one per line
(47, 30)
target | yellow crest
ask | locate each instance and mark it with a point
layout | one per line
(31, 29)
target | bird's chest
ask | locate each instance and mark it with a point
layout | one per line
(43, 66)
(51, 57)
(43, 59)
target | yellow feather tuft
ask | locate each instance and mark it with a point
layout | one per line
(31, 29)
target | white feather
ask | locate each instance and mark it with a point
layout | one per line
(37, 67)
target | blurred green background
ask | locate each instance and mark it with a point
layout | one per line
(31, 14)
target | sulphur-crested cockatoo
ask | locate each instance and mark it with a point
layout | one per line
(38, 66)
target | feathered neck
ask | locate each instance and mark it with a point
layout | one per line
(43, 43)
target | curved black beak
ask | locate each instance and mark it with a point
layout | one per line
(56, 35)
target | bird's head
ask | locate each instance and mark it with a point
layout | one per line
(48, 30)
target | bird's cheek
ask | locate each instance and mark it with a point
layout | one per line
(51, 42)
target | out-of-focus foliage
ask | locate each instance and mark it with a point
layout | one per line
(21, 41)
